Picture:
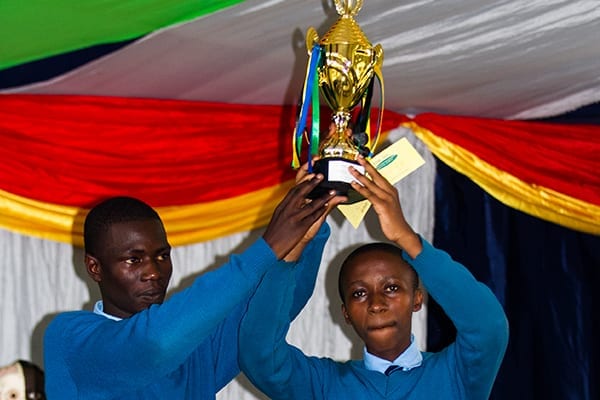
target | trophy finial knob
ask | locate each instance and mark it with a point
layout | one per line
(348, 7)
(345, 30)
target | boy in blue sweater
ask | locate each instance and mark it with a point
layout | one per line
(135, 345)
(379, 288)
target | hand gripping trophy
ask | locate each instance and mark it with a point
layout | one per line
(342, 68)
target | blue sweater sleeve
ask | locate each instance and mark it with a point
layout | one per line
(266, 358)
(482, 327)
(307, 269)
(95, 353)
(225, 340)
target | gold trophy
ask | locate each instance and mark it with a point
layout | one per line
(343, 65)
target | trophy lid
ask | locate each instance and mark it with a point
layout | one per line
(345, 30)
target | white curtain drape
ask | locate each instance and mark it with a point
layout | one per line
(518, 59)
(40, 278)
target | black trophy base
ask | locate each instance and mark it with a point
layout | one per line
(333, 180)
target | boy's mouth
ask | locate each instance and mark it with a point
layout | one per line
(380, 326)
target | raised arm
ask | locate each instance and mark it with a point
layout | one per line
(482, 328)
(385, 201)
(275, 367)
(478, 316)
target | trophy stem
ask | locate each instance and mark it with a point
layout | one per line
(340, 144)
(338, 153)
(341, 120)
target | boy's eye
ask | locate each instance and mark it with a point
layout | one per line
(163, 257)
(132, 260)
(392, 288)
(358, 293)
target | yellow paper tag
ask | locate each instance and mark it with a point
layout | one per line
(394, 163)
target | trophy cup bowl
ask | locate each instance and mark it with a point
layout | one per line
(346, 70)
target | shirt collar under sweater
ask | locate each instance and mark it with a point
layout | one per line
(99, 309)
(409, 359)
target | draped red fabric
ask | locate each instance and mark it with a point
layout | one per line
(74, 150)
(565, 158)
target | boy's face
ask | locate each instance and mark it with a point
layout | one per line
(379, 299)
(134, 268)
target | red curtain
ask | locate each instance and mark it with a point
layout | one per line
(565, 158)
(74, 150)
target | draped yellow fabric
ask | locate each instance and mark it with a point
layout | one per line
(532, 199)
(184, 224)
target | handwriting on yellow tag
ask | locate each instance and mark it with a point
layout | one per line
(394, 163)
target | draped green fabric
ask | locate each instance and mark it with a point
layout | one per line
(34, 29)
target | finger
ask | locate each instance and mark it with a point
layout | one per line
(303, 171)
(322, 206)
(371, 191)
(303, 188)
(304, 177)
(376, 177)
(335, 201)
(331, 129)
(297, 194)
(316, 211)
(375, 181)
(363, 184)
(319, 202)
(304, 167)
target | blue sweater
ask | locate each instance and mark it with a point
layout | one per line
(466, 369)
(186, 348)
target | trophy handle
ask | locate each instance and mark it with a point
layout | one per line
(378, 55)
(312, 37)
(377, 64)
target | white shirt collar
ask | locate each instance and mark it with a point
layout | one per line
(409, 359)
(99, 309)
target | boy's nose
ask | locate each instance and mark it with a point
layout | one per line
(151, 272)
(377, 303)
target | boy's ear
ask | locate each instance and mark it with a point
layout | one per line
(345, 313)
(92, 265)
(418, 300)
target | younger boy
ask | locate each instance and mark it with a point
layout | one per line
(379, 290)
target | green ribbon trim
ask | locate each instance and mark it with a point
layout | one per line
(35, 29)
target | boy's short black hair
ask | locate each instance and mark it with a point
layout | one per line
(372, 247)
(111, 211)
